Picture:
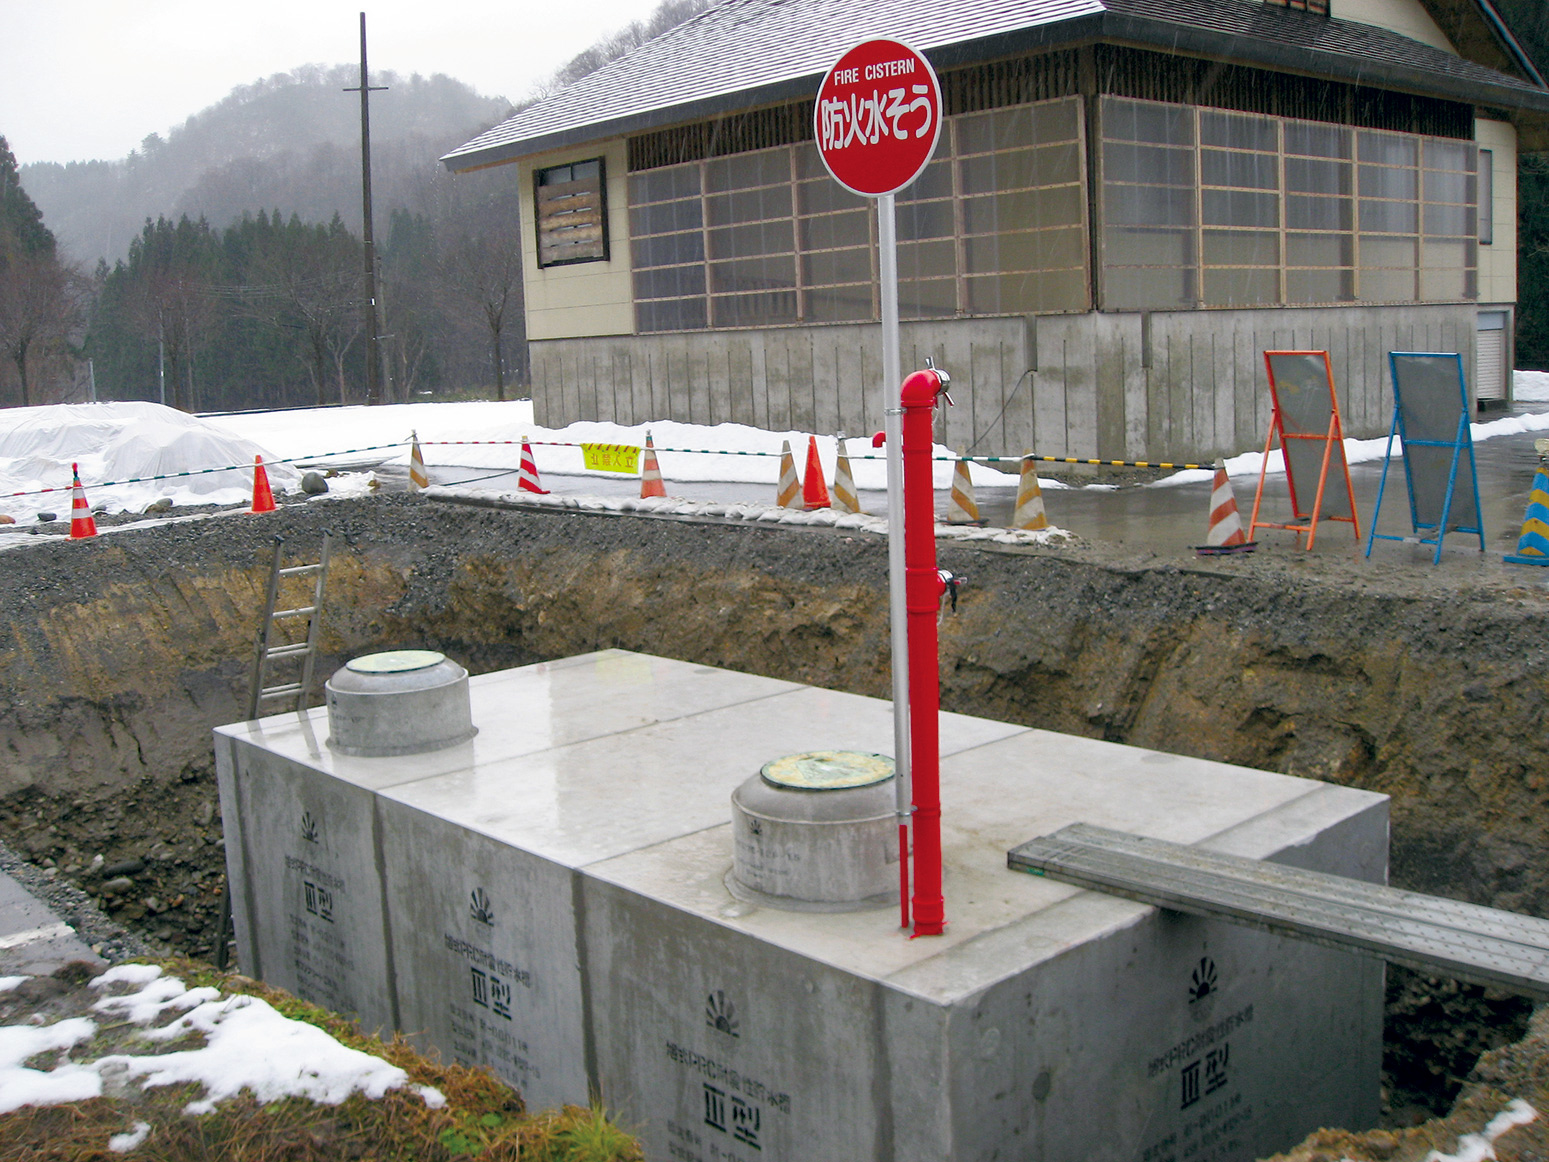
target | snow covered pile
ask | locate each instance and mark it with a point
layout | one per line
(247, 1045)
(1529, 386)
(123, 441)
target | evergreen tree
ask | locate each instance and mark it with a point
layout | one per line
(21, 222)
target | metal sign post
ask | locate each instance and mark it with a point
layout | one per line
(877, 120)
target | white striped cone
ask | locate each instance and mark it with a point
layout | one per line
(789, 492)
(417, 477)
(1225, 523)
(527, 476)
(1029, 513)
(82, 523)
(844, 498)
(962, 508)
(651, 473)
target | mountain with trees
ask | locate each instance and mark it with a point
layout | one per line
(292, 140)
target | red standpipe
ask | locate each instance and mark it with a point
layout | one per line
(923, 588)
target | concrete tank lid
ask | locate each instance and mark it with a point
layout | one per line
(395, 662)
(827, 770)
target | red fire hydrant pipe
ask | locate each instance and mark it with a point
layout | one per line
(923, 589)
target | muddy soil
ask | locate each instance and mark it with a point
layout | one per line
(1431, 685)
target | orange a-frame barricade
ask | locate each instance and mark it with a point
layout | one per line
(1305, 414)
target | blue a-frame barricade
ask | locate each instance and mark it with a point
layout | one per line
(1430, 418)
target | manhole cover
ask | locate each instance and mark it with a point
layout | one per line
(828, 770)
(395, 662)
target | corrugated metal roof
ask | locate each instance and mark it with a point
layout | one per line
(744, 52)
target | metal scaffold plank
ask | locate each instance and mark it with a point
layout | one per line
(1464, 941)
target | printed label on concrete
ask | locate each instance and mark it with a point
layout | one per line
(485, 953)
(312, 898)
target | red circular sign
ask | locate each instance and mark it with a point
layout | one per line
(878, 117)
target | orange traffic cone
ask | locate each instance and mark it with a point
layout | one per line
(82, 523)
(845, 499)
(1225, 533)
(1029, 513)
(788, 494)
(651, 474)
(417, 477)
(527, 476)
(263, 499)
(962, 508)
(814, 493)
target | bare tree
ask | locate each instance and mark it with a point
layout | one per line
(38, 310)
(481, 265)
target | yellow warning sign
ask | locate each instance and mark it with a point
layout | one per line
(611, 458)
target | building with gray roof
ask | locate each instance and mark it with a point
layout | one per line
(1130, 201)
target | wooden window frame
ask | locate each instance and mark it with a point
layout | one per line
(602, 212)
(1484, 176)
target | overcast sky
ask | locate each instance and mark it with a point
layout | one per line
(84, 79)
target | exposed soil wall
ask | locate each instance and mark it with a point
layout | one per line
(118, 655)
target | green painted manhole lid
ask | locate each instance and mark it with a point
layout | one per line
(828, 770)
(395, 662)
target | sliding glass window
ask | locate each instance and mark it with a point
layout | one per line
(995, 225)
(1203, 207)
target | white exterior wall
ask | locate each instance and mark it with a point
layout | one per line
(583, 298)
(1498, 261)
(1405, 17)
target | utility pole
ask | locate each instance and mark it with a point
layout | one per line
(373, 358)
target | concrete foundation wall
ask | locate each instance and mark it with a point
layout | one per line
(1185, 385)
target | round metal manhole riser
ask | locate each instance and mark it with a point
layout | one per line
(828, 770)
(399, 702)
(817, 832)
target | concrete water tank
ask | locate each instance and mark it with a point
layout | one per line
(817, 832)
(398, 703)
(554, 903)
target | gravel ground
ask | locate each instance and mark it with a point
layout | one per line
(106, 937)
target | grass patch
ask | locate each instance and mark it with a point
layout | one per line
(483, 1117)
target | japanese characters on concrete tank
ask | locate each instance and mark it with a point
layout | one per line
(877, 117)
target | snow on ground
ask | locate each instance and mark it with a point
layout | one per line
(1359, 451)
(247, 1045)
(685, 452)
(120, 445)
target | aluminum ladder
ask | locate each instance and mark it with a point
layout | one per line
(265, 654)
(1444, 937)
(258, 693)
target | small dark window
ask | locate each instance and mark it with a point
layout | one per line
(572, 213)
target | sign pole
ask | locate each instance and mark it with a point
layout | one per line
(898, 614)
(877, 121)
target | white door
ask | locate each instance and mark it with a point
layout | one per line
(1490, 357)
